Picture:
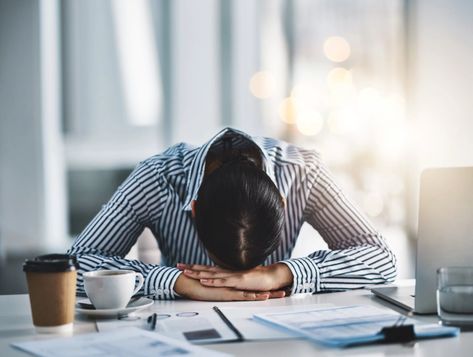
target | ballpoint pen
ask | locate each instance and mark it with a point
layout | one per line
(229, 324)
(151, 321)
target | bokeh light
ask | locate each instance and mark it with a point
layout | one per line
(300, 90)
(339, 77)
(369, 100)
(309, 122)
(262, 84)
(345, 121)
(313, 92)
(287, 111)
(337, 49)
(336, 124)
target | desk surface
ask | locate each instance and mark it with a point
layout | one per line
(16, 325)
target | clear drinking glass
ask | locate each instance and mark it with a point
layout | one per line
(455, 295)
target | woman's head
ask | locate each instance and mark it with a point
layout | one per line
(239, 214)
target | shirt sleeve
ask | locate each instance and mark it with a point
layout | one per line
(104, 243)
(357, 255)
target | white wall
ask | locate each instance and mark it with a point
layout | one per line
(32, 199)
(196, 88)
(197, 92)
(246, 43)
(441, 78)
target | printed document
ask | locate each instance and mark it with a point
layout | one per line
(127, 342)
(348, 325)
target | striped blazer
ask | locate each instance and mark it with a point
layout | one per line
(158, 195)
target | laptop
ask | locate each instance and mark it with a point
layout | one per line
(445, 236)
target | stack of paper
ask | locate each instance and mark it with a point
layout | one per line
(347, 325)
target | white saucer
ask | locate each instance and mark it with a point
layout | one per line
(139, 304)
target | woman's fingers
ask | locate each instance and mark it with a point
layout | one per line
(223, 294)
(276, 294)
(193, 289)
(240, 281)
(206, 274)
(261, 295)
(254, 295)
(219, 282)
(248, 295)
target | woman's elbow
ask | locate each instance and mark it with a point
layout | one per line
(388, 270)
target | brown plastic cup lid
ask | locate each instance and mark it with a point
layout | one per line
(51, 263)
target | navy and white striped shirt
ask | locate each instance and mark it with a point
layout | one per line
(158, 195)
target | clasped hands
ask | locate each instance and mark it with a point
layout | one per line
(212, 283)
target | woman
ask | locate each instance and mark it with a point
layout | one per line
(226, 217)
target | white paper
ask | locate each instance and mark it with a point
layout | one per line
(242, 318)
(178, 325)
(126, 342)
(337, 325)
(343, 326)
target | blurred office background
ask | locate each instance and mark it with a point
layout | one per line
(89, 88)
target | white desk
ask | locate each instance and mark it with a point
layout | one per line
(16, 325)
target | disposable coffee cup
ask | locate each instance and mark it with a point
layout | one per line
(52, 289)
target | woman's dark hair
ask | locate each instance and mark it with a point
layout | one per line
(239, 214)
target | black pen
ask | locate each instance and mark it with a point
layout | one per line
(240, 337)
(152, 320)
(337, 290)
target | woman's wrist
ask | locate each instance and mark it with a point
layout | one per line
(181, 286)
(282, 276)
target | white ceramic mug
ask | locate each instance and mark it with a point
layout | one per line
(111, 289)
